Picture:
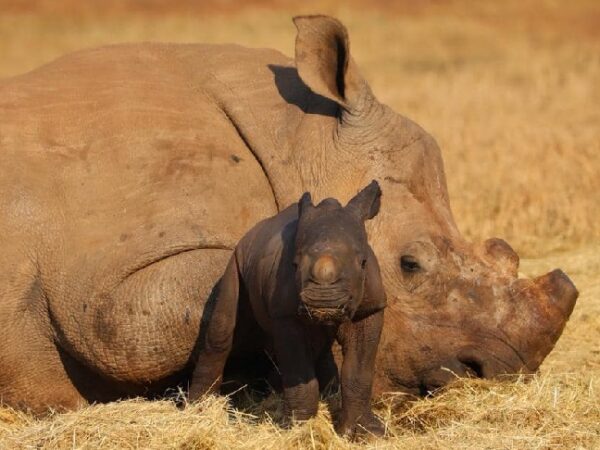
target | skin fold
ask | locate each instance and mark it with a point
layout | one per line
(309, 277)
(129, 173)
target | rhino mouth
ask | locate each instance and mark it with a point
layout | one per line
(323, 315)
(324, 303)
(470, 362)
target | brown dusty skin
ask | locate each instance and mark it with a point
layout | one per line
(163, 155)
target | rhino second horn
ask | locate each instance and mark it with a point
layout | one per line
(500, 250)
(561, 290)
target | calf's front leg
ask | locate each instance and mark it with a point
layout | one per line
(359, 342)
(216, 334)
(296, 364)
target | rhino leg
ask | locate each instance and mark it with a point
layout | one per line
(359, 342)
(216, 333)
(142, 333)
(32, 370)
(327, 372)
(297, 366)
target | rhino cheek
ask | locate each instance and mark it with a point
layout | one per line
(467, 335)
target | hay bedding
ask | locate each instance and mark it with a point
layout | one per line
(548, 411)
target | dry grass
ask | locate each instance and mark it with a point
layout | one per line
(549, 411)
(511, 92)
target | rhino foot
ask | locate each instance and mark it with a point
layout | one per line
(367, 424)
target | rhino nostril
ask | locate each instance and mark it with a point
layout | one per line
(473, 368)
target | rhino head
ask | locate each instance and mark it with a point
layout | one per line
(331, 254)
(454, 308)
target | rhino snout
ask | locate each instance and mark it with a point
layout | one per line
(325, 270)
(325, 301)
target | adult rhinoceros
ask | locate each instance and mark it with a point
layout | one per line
(128, 173)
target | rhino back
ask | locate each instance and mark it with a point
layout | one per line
(138, 154)
(128, 158)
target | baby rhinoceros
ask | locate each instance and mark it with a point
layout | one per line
(310, 277)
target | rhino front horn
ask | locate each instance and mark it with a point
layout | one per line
(324, 270)
(560, 289)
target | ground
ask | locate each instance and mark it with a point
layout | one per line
(511, 92)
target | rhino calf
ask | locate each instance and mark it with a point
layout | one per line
(310, 277)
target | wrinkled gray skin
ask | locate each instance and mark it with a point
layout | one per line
(129, 173)
(306, 276)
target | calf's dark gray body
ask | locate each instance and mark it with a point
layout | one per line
(309, 277)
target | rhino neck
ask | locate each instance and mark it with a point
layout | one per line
(288, 129)
(297, 148)
(381, 144)
(306, 142)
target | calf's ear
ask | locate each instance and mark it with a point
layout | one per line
(367, 202)
(323, 60)
(305, 204)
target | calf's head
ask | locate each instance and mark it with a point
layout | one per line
(454, 308)
(331, 254)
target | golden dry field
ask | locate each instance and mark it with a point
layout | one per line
(511, 91)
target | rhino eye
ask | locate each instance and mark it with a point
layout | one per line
(409, 264)
(363, 263)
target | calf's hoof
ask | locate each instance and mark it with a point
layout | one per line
(367, 424)
(198, 390)
(291, 417)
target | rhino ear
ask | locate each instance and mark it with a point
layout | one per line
(367, 202)
(305, 204)
(323, 60)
